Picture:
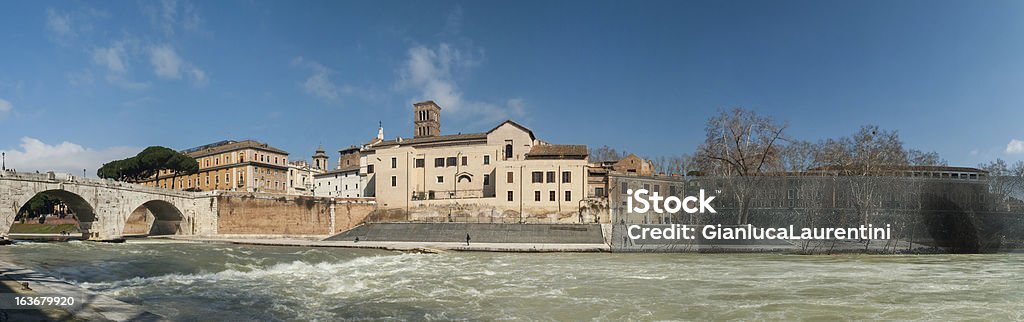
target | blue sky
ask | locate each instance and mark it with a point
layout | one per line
(84, 82)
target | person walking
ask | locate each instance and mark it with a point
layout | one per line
(467, 239)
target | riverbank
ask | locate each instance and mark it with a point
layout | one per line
(819, 248)
(399, 245)
(16, 281)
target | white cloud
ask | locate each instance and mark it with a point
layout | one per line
(433, 73)
(59, 24)
(65, 27)
(319, 83)
(5, 108)
(168, 65)
(1015, 147)
(35, 155)
(198, 76)
(168, 16)
(113, 58)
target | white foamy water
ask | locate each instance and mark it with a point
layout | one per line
(191, 281)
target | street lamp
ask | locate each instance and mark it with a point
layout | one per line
(3, 155)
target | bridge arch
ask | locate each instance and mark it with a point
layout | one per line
(156, 217)
(84, 212)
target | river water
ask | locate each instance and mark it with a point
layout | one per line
(197, 281)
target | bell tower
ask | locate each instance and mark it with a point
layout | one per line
(320, 159)
(426, 119)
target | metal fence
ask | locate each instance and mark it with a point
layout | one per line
(962, 215)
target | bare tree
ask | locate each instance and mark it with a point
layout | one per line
(605, 153)
(917, 157)
(868, 152)
(1017, 169)
(672, 165)
(680, 164)
(1005, 181)
(996, 168)
(798, 156)
(743, 144)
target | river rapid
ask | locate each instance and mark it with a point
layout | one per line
(209, 281)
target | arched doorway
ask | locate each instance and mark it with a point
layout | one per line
(53, 214)
(155, 217)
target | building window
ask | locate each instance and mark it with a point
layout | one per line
(487, 179)
(672, 190)
(440, 179)
(566, 177)
(551, 177)
(508, 151)
(510, 176)
(538, 177)
(451, 162)
(551, 195)
(568, 196)
(227, 178)
(394, 181)
(647, 187)
(394, 163)
(536, 196)
(420, 163)
(599, 192)
(369, 168)
(657, 188)
(465, 160)
(510, 195)
(438, 162)
(487, 159)
(624, 188)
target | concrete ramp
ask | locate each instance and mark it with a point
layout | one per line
(478, 232)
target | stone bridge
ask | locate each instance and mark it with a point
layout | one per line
(103, 207)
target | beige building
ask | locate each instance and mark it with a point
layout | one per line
(231, 165)
(631, 165)
(301, 177)
(505, 169)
